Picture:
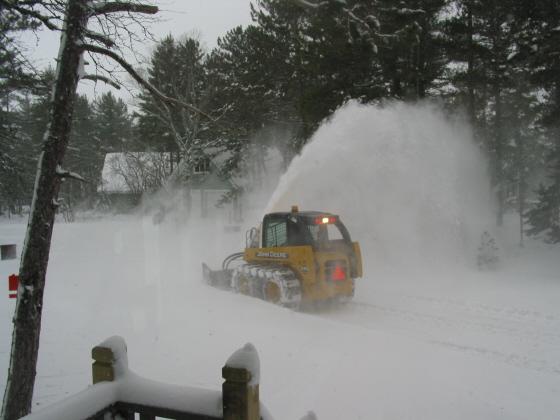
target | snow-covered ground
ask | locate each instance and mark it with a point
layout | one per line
(463, 344)
(424, 338)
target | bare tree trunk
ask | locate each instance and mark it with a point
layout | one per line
(35, 256)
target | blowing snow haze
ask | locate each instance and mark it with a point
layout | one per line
(408, 183)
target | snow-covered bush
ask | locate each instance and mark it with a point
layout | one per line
(487, 257)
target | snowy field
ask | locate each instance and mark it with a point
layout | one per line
(427, 336)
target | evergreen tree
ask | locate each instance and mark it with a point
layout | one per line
(32, 117)
(329, 52)
(461, 30)
(295, 67)
(15, 71)
(83, 158)
(482, 39)
(113, 124)
(15, 77)
(241, 69)
(177, 70)
(545, 216)
(537, 48)
(277, 49)
(34, 108)
(428, 59)
(338, 60)
(408, 57)
(524, 150)
(15, 180)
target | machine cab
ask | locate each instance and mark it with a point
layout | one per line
(322, 231)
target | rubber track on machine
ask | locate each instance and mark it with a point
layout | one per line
(289, 286)
(259, 277)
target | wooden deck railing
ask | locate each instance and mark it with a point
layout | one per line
(118, 393)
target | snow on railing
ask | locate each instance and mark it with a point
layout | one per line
(117, 391)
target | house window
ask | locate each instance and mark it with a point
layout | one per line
(202, 167)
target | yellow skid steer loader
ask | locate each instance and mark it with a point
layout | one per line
(293, 257)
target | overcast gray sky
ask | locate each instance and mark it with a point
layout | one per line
(213, 18)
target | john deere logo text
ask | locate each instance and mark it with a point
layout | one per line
(272, 254)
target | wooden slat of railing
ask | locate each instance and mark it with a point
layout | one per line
(150, 413)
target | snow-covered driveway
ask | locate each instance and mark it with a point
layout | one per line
(424, 344)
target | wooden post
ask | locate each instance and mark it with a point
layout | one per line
(102, 368)
(241, 400)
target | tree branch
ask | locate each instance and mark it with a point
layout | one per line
(156, 93)
(97, 78)
(45, 20)
(101, 38)
(307, 4)
(67, 174)
(363, 25)
(114, 7)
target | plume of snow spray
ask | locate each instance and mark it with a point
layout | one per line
(409, 184)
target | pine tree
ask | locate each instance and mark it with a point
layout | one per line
(545, 217)
(113, 124)
(339, 60)
(15, 176)
(16, 78)
(241, 98)
(176, 69)
(481, 40)
(82, 158)
(428, 60)
(15, 70)
(34, 108)
(29, 119)
(537, 48)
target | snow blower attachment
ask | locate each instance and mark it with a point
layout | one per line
(293, 257)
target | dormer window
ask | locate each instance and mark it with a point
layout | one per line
(202, 167)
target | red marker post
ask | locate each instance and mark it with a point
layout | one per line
(13, 285)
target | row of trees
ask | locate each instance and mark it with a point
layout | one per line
(99, 127)
(14, 77)
(496, 61)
